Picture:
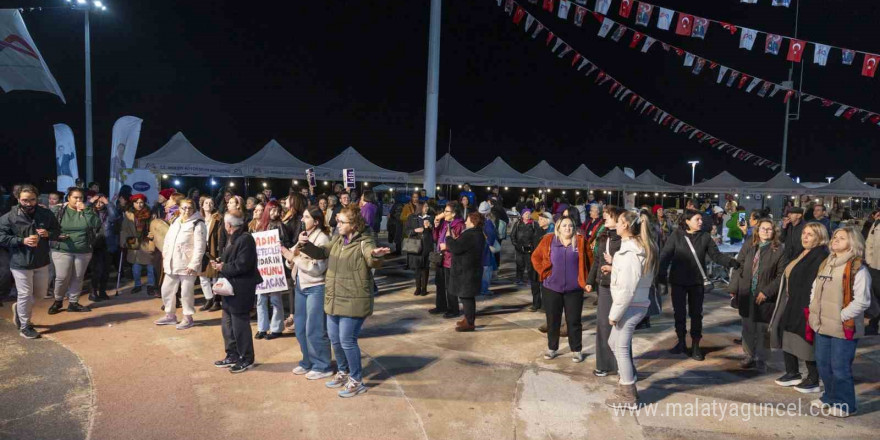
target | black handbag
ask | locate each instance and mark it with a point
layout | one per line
(435, 258)
(412, 245)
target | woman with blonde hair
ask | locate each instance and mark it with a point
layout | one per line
(632, 274)
(182, 260)
(560, 261)
(215, 242)
(259, 208)
(789, 322)
(841, 295)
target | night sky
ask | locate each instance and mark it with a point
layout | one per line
(320, 76)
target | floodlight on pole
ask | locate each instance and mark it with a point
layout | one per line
(693, 170)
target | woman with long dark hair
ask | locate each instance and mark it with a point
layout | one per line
(271, 220)
(684, 255)
(214, 244)
(606, 244)
(419, 226)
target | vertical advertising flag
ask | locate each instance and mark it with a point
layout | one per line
(126, 132)
(65, 157)
(21, 65)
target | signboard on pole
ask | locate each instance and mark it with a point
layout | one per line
(270, 262)
(310, 176)
(348, 178)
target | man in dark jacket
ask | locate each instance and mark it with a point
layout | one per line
(25, 232)
(540, 228)
(239, 267)
(521, 238)
(820, 216)
(792, 227)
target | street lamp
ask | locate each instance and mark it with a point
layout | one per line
(693, 170)
(829, 179)
(86, 7)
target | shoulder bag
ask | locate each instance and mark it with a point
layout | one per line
(708, 285)
(412, 245)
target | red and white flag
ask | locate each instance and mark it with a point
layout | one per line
(636, 39)
(21, 65)
(648, 43)
(548, 5)
(747, 38)
(625, 8)
(795, 50)
(579, 14)
(685, 24)
(518, 15)
(607, 24)
(602, 6)
(849, 113)
(664, 19)
(820, 54)
(772, 44)
(643, 13)
(869, 67)
(729, 27)
(564, 7)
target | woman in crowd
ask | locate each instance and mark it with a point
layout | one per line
(348, 296)
(172, 206)
(182, 260)
(841, 295)
(561, 263)
(214, 244)
(419, 225)
(309, 285)
(541, 227)
(593, 223)
(756, 285)
(238, 265)
(249, 205)
(684, 255)
(465, 204)
(330, 213)
(605, 247)
(446, 301)
(789, 322)
(468, 257)
(259, 208)
(106, 245)
(272, 220)
(490, 239)
(370, 211)
(135, 235)
(734, 228)
(575, 216)
(292, 218)
(72, 251)
(324, 206)
(193, 194)
(632, 274)
(521, 238)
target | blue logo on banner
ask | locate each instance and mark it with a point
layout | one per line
(141, 186)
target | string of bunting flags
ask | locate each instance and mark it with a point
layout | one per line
(743, 80)
(621, 92)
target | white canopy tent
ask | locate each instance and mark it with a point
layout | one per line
(781, 183)
(724, 182)
(618, 180)
(274, 161)
(588, 178)
(451, 172)
(181, 158)
(550, 177)
(504, 175)
(847, 185)
(364, 170)
(656, 183)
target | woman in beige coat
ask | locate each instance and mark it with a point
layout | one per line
(182, 260)
(138, 240)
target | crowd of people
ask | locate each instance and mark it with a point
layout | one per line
(805, 280)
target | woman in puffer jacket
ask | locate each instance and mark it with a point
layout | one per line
(632, 274)
(182, 254)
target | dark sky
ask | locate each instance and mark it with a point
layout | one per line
(320, 76)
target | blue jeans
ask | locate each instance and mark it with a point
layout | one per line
(277, 321)
(311, 328)
(486, 280)
(343, 332)
(620, 341)
(834, 358)
(136, 273)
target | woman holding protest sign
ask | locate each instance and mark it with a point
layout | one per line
(271, 327)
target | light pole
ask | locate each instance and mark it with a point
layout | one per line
(433, 98)
(86, 7)
(693, 170)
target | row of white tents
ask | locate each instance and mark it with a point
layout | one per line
(180, 157)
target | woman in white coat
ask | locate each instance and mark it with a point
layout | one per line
(632, 274)
(182, 253)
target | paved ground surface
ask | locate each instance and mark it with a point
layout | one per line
(140, 381)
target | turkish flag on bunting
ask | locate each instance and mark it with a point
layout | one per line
(599, 17)
(549, 38)
(577, 57)
(518, 15)
(548, 5)
(679, 52)
(849, 113)
(870, 65)
(685, 24)
(625, 8)
(795, 50)
(637, 37)
(875, 119)
(633, 99)
(742, 80)
(788, 95)
(730, 28)
(614, 87)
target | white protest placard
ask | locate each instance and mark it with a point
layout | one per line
(270, 262)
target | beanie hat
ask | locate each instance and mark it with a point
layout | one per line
(484, 208)
(167, 193)
(655, 209)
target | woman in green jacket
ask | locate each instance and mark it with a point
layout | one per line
(72, 252)
(348, 295)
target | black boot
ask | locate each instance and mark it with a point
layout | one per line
(216, 305)
(680, 347)
(102, 295)
(207, 305)
(697, 354)
(93, 296)
(56, 307)
(425, 274)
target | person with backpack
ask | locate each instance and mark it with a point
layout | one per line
(72, 250)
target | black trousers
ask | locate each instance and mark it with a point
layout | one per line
(572, 303)
(536, 287)
(100, 269)
(523, 260)
(421, 276)
(440, 283)
(792, 366)
(470, 309)
(688, 301)
(237, 335)
(451, 299)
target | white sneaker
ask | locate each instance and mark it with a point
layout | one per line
(578, 357)
(818, 403)
(550, 354)
(839, 411)
(186, 323)
(166, 320)
(315, 375)
(299, 371)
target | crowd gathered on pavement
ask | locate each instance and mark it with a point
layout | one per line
(803, 280)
